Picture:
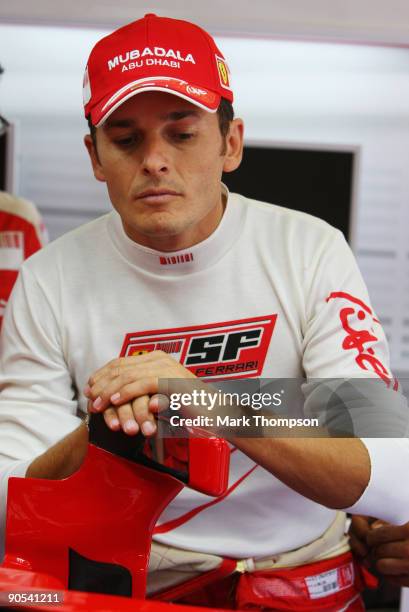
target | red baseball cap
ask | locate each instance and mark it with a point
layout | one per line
(155, 54)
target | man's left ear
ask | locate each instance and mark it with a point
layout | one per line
(234, 146)
(93, 155)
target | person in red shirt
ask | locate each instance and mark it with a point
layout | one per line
(22, 233)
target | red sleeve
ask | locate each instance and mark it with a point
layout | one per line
(19, 238)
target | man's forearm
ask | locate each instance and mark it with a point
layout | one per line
(62, 459)
(331, 471)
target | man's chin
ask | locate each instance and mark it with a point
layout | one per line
(161, 229)
(155, 229)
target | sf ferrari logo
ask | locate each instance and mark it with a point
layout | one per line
(233, 349)
(222, 347)
(223, 72)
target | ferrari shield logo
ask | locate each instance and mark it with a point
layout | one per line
(223, 72)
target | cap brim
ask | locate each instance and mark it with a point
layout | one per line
(203, 98)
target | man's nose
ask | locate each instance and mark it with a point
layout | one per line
(155, 160)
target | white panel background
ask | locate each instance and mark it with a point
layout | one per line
(293, 91)
(351, 20)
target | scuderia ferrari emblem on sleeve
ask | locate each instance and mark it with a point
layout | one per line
(231, 349)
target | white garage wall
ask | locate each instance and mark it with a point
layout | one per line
(301, 92)
(350, 20)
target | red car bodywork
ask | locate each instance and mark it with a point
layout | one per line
(88, 536)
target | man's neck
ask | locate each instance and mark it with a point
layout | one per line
(179, 242)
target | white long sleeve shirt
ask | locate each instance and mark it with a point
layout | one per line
(94, 295)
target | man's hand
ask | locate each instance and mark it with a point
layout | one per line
(389, 547)
(123, 390)
(358, 533)
(333, 472)
(384, 546)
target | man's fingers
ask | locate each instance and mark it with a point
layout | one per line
(360, 526)
(358, 530)
(358, 547)
(159, 403)
(393, 567)
(111, 419)
(127, 419)
(123, 390)
(143, 416)
(396, 550)
(124, 379)
(134, 390)
(387, 533)
(132, 417)
(115, 390)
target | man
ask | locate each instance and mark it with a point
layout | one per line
(183, 279)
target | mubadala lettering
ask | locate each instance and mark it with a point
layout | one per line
(136, 54)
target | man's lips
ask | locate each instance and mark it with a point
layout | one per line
(157, 195)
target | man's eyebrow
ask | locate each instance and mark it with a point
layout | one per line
(172, 116)
(114, 123)
(178, 115)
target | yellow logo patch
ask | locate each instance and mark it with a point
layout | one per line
(223, 72)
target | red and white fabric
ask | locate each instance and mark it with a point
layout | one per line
(22, 233)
